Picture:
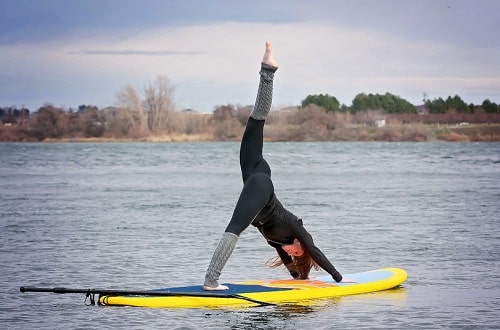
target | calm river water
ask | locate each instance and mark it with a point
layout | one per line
(148, 215)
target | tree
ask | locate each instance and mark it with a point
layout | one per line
(225, 122)
(362, 102)
(490, 107)
(49, 122)
(436, 106)
(387, 103)
(159, 104)
(457, 104)
(89, 121)
(130, 118)
(8, 115)
(327, 102)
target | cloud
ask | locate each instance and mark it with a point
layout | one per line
(133, 52)
(217, 63)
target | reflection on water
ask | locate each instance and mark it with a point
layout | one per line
(396, 296)
(276, 317)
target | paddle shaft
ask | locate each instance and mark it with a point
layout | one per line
(92, 292)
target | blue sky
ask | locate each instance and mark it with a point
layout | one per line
(69, 53)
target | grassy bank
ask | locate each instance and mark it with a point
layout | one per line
(416, 132)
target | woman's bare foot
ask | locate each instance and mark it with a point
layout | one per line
(268, 55)
(218, 288)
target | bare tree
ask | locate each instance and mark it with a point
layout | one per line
(226, 125)
(159, 105)
(49, 122)
(133, 118)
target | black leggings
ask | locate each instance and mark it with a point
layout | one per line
(257, 185)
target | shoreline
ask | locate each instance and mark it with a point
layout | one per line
(413, 132)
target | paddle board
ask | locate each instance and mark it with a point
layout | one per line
(258, 292)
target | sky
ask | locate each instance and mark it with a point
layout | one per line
(69, 53)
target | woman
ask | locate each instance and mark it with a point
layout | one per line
(258, 205)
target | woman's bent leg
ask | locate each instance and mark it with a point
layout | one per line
(221, 254)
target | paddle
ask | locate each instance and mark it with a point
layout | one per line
(90, 293)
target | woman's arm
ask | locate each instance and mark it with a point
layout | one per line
(307, 243)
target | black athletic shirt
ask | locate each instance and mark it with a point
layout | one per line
(281, 227)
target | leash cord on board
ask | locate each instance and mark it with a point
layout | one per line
(91, 296)
(258, 302)
(235, 296)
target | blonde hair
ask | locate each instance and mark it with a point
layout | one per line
(301, 265)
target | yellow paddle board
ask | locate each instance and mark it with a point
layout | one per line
(254, 293)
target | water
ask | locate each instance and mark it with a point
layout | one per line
(148, 215)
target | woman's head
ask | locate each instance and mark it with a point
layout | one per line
(295, 249)
(301, 264)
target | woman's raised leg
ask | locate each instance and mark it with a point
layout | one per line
(265, 91)
(253, 137)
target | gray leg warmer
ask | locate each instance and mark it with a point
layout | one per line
(264, 93)
(219, 258)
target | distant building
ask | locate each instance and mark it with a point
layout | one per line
(422, 109)
(189, 111)
(289, 109)
(379, 122)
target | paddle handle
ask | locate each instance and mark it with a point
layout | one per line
(59, 290)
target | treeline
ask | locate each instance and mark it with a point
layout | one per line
(393, 104)
(152, 115)
(310, 123)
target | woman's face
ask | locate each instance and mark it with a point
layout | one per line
(294, 249)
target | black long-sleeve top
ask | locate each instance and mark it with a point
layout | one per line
(281, 227)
